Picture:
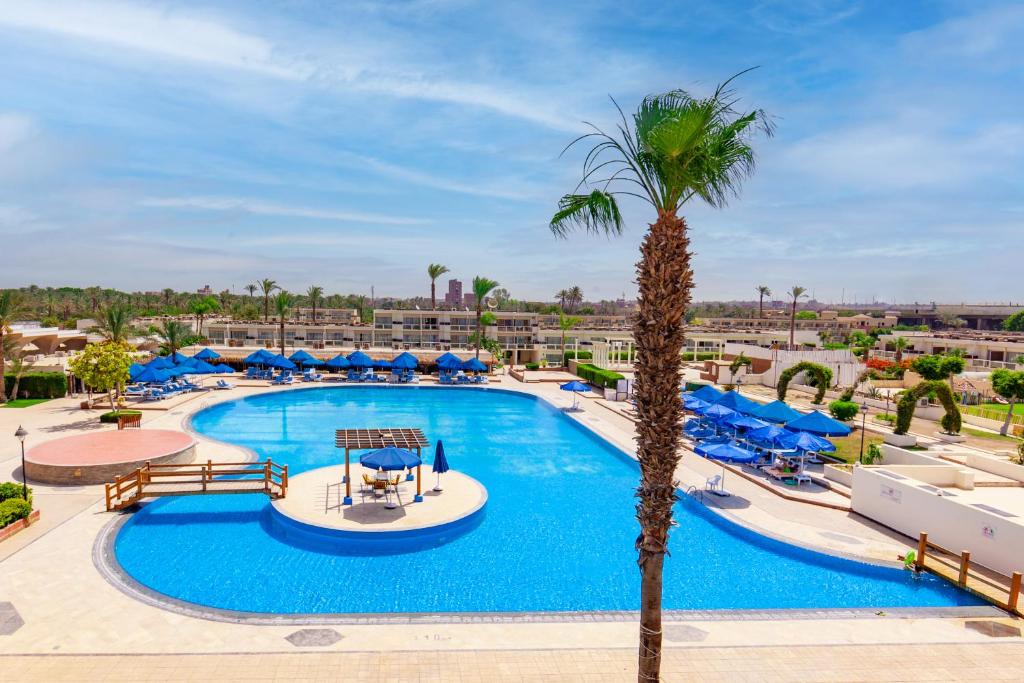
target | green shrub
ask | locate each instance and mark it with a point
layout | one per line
(573, 355)
(13, 509)
(886, 417)
(843, 410)
(39, 385)
(598, 376)
(532, 366)
(699, 356)
(11, 489)
(111, 416)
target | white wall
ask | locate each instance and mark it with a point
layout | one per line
(1003, 468)
(993, 541)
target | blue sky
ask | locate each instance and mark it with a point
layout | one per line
(146, 145)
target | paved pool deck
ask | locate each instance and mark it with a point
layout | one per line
(60, 619)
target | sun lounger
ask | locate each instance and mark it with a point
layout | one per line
(221, 384)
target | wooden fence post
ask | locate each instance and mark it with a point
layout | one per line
(1011, 604)
(922, 547)
(965, 564)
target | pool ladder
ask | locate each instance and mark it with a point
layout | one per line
(695, 492)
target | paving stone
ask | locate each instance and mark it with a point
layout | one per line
(994, 629)
(682, 633)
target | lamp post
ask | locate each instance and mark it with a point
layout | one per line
(863, 421)
(21, 434)
(738, 382)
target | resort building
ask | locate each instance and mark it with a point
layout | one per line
(982, 350)
(829, 321)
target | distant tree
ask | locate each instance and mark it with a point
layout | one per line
(172, 335)
(1015, 323)
(481, 288)
(806, 315)
(503, 298)
(796, 293)
(268, 287)
(224, 298)
(434, 271)
(11, 307)
(283, 303)
(762, 292)
(566, 323)
(314, 294)
(201, 307)
(900, 344)
(562, 296)
(251, 288)
(19, 364)
(103, 367)
(115, 323)
(574, 298)
(1010, 385)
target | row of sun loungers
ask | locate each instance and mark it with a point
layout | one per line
(158, 392)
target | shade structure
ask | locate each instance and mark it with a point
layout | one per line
(473, 365)
(198, 367)
(717, 412)
(358, 359)
(449, 362)
(149, 374)
(776, 411)
(160, 363)
(728, 451)
(819, 423)
(178, 357)
(313, 363)
(447, 357)
(707, 393)
(389, 458)
(741, 421)
(302, 357)
(280, 362)
(207, 354)
(440, 463)
(693, 403)
(339, 362)
(574, 386)
(381, 363)
(738, 402)
(768, 434)
(805, 441)
(258, 357)
(224, 369)
(405, 361)
(133, 371)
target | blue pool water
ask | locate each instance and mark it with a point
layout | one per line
(557, 532)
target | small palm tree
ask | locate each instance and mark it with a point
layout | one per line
(900, 344)
(562, 296)
(115, 323)
(762, 292)
(314, 294)
(200, 308)
(11, 306)
(434, 271)
(481, 288)
(251, 288)
(282, 306)
(566, 323)
(172, 333)
(267, 287)
(676, 148)
(797, 293)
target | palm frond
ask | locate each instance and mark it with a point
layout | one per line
(597, 212)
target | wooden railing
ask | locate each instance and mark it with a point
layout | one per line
(184, 480)
(985, 586)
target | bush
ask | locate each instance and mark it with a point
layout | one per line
(10, 489)
(886, 417)
(39, 385)
(572, 355)
(699, 356)
(111, 417)
(532, 366)
(598, 376)
(13, 509)
(843, 410)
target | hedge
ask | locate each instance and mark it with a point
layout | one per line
(111, 416)
(13, 509)
(39, 385)
(843, 410)
(10, 489)
(699, 356)
(573, 355)
(532, 366)
(598, 376)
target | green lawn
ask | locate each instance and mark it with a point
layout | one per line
(1000, 408)
(989, 435)
(23, 402)
(848, 447)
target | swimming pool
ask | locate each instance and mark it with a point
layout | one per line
(557, 533)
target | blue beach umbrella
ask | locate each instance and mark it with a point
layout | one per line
(473, 365)
(718, 413)
(694, 404)
(178, 358)
(313, 363)
(745, 422)
(776, 411)
(281, 362)
(198, 367)
(207, 354)
(382, 364)
(405, 361)
(389, 459)
(768, 434)
(160, 363)
(258, 357)
(574, 386)
(707, 393)
(819, 423)
(446, 357)
(133, 371)
(805, 441)
(339, 362)
(728, 451)
(440, 463)
(449, 362)
(302, 357)
(151, 375)
(738, 402)
(358, 359)
(224, 369)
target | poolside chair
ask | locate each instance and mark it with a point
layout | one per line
(221, 384)
(715, 485)
(137, 390)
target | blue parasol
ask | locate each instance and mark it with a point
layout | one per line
(389, 458)
(440, 463)
(207, 354)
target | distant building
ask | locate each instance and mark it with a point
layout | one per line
(454, 295)
(206, 290)
(469, 299)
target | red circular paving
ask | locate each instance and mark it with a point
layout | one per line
(99, 457)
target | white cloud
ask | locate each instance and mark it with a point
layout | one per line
(482, 189)
(257, 207)
(14, 129)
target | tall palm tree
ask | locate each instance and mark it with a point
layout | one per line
(563, 297)
(315, 294)
(200, 308)
(574, 298)
(677, 148)
(282, 306)
(251, 288)
(267, 287)
(566, 323)
(115, 323)
(11, 306)
(172, 333)
(168, 295)
(762, 292)
(797, 293)
(481, 288)
(435, 270)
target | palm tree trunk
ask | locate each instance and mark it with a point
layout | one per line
(792, 325)
(760, 307)
(266, 308)
(1006, 423)
(664, 280)
(3, 382)
(282, 335)
(479, 332)
(433, 295)
(563, 363)
(314, 311)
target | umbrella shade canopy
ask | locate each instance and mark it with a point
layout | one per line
(450, 363)
(151, 374)
(313, 363)
(133, 371)
(746, 422)
(207, 354)
(358, 359)
(390, 458)
(707, 393)
(694, 404)
(224, 369)
(339, 362)
(805, 441)
(160, 363)
(301, 356)
(382, 363)
(179, 357)
(281, 362)
(405, 361)
(726, 451)
(776, 411)
(574, 385)
(440, 462)
(199, 367)
(738, 402)
(817, 422)
(474, 365)
(259, 357)
(768, 434)
(446, 358)
(717, 412)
